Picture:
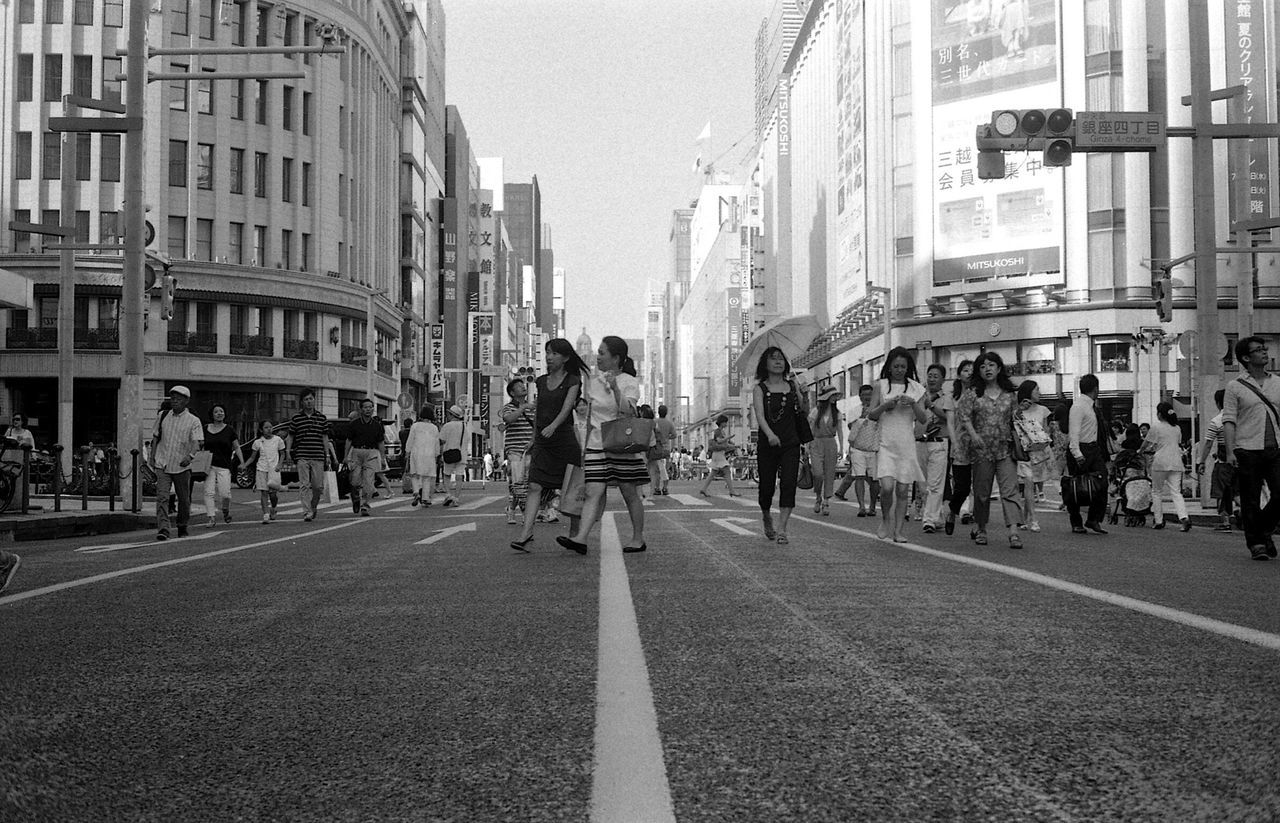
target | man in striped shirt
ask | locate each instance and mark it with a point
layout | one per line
(307, 439)
(517, 419)
(1222, 481)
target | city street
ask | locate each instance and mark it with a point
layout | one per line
(411, 666)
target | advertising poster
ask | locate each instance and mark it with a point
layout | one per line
(485, 250)
(435, 358)
(988, 56)
(850, 280)
(733, 324)
(1249, 62)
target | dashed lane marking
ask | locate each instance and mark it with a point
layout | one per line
(629, 778)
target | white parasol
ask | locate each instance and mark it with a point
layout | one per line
(791, 334)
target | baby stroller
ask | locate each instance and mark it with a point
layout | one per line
(1132, 488)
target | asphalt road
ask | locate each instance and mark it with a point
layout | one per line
(346, 670)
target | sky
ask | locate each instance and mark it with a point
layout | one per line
(604, 100)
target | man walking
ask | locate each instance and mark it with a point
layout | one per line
(365, 456)
(1251, 429)
(177, 437)
(1087, 455)
(307, 439)
(666, 432)
(932, 446)
(864, 447)
(1222, 480)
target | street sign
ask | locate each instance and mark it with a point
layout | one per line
(405, 400)
(490, 370)
(1120, 130)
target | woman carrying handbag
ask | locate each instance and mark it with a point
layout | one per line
(615, 445)
(782, 414)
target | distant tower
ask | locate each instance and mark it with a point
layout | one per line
(584, 346)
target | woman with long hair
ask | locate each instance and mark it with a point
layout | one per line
(555, 442)
(613, 392)
(961, 461)
(1166, 465)
(986, 413)
(779, 404)
(824, 420)
(421, 449)
(1032, 417)
(898, 404)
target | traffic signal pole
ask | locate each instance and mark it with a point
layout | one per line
(131, 328)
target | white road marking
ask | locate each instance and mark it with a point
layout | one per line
(1266, 640)
(739, 500)
(729, 523)
(443, 533)
(689, 500)
(98, 578)
(139, 544)
(481, 503)
(629, 776)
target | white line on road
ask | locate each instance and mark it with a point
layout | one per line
(730, 524)
(629, 779)
(443, 533)
(98, 578)
(115, 547)
(689, 500)
(1266, 640)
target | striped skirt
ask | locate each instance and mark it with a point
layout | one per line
(614, 468)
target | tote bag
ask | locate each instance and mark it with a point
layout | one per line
(200, 464)
(573, 489)
(804, 480)
(331, 486)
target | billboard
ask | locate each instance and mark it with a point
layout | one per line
(1250, 58)
(989, 56)
(851, 254)
(484, 245)
(435, 358)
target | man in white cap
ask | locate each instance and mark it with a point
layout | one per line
(452, 435)
(177, 437)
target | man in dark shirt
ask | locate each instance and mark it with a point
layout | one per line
(365, 454)
(307, 439)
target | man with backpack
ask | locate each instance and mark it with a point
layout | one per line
(1251, 429)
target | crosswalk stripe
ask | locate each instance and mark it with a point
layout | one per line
(689, 500)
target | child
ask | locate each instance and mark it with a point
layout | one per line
(721, 448)
(266, 455)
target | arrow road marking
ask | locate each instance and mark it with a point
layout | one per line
(443, 533)
(728, 523)
(115, 547)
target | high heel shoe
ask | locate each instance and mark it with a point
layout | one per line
(521, 545)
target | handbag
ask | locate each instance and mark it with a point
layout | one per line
(804, 479)
(275, 482)
(626, 435)
(1081, 489)
(573, 489)
(1017, 450)
(452, 456)
(200, 464)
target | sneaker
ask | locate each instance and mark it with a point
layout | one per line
(826, 509)
(1015, 542)
(266, 518)
(162, 535)
(449, 502)
(511, 516)
(226, 515)
(1033, 527)
(307, 518)
(929, 528)
(1258, 552)
(417, 498)
(364, 512)
(981, 538)
(1222, 527)
(8, 567)
(212, 521)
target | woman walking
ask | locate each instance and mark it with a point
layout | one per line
(961, 458)
(898, 404)
(825, 449)
(517, 421)
(555, 443)
(1166, 465)
(779, 406)
(222, 443)
(421, 450)
(1031, 420)
(721, 447)
(613, 392)
(986, 413)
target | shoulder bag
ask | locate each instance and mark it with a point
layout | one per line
(626, 435)
(1275, 415)
(804, 478)
(803, 429)
(573, 489)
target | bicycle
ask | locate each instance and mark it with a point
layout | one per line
(10, 482)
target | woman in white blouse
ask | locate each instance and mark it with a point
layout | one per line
(613, 391)
(1166, 465)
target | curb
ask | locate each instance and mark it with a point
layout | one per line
(52, 527)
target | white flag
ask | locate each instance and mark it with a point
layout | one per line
(706, 133)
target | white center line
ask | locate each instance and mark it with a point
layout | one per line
(629, 779)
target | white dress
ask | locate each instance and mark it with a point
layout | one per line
(422, 448)
(897, 458)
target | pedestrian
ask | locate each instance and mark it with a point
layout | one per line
(421, 448)
(223, 445)
(366, 451)
(932, 446)
(1088, 448)
(19, 433)
(779, 407)
(406, 485)
(1165, 440)
(268, 454)
(1031, 425)
(864, 445)
(452, 436)
(306, 437)
(1222, 478)
(897, 403)
(612, 392)
(960, 505)
(986, 413)
(177, 436)
(720, 449)
(555, 442)
(661, 457)
(1251, 429)
(827, 428)
(9, 563)
(518, 420)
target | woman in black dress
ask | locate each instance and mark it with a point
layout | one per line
(555, 442)
(778, 405)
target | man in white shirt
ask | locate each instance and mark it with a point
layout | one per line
(1251, 429)
(1087, 455)
(177, 437)
(1222, 478)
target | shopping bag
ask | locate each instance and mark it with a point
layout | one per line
(200, 464)
(804, 480)
(275, 483)
(573, 491)
(331, 487)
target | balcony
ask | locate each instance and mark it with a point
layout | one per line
(301, 349)
(353, 355)
(201, 342)
(97, 339)
(31, 338)
(256, 345)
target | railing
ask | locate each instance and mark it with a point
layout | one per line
(97, 338)
(353, 355)
(205, 342)
(301, 349)
(258, 345)
(31, 338)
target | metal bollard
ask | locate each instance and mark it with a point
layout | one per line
(137, 481)
(57, 478)
(26, 477)
(84, 478)
(113, 476)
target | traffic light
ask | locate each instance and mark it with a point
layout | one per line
(167, 290)
(1162, 293)
(1050, 130)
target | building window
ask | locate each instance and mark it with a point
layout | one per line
(82, 75)
(304, 262)
(178, 89)
(52, 11)
(109, 227)
(22, 155)
(264, 24)
(110, 171)
(306, 112)
(111, 88)
(50, 217)
(308, 33)
(82, 227)
(177, 237)
(237, 171)
(1112, 355)
(82, 14)
(342, 127)
(21, 239)
(342, 195)
(237, 100)
(204, 166)
(261, 103)
(286, 180)
(259, 174)
(26, 77)
(286, 248)
(206, 318)
(178, 163)
(26, 11)
(84, 155)
(286, 108)
(290, 31)
(239, 17)
(52, 78)
(204, 95)
(206, 18)
(235, 243)
(204, 240)
(51, 156)
(178, 14)
(259, 245)
(306, 184)
(113, 13)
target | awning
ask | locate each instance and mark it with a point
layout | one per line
(16, 291)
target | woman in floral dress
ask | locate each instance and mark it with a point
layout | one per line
(986, 413)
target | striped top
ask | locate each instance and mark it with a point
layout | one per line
(519, 434)
(307, 432)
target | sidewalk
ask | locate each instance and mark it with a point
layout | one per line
(41, 522)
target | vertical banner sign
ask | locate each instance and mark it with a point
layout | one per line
(782, 243)
(734, 304)
(985, 57)
(436, 358)
(850, 274)
(481, 336)
(449, 264)
(1249, 58)
(485, 247)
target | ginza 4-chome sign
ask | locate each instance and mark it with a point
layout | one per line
(1119, 130)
